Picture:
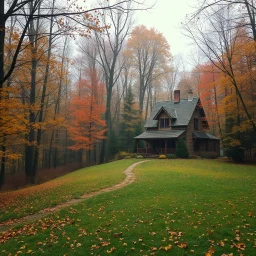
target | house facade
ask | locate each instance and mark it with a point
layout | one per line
(180, 118)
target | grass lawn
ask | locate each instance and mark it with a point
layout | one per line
(175, 207)
(29, 200)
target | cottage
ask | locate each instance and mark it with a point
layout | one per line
(181, 118)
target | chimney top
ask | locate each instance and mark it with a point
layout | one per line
(190, 95)
(176, 96)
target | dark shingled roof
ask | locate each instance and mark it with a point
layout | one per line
(160, 134)
(171, 112)
(204, 135)
(181, 112)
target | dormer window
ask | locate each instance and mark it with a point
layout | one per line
(164, 123)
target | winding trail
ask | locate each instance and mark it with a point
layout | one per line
(130, 178)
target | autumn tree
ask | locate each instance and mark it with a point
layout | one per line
(224, 31)
(34, 26)
(12, 124)
(87, 125)
(150, 57)
(74, 12)
(209, 88)
(217, 35)
(30, 97)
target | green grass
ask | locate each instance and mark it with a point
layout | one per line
(175, 207)
(29, 200)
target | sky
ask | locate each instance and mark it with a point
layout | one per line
(166, 16)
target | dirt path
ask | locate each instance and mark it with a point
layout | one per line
(130, 177)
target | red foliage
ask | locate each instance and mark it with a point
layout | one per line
(87, 125)
(208, 86)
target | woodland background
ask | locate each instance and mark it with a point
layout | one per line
(77, 83)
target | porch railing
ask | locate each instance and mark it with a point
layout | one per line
(157, 151)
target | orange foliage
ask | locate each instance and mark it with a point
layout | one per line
(12, 119)
(15, 103)
(208, 88)
(87, 125)
(217, 91)
(149, 47)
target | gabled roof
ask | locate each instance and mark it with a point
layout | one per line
(170, 112)
(160, 134)
(183, 112)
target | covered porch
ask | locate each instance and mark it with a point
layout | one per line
(205, 144)
(158, 142)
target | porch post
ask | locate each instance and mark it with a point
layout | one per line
(146, 148)
(137, 146)
(165, 146)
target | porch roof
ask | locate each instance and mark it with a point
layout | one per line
(160, 134)
(204, 135)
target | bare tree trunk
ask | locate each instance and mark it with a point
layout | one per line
(3, 161)
(30, 145)
(2, 36)
(41, 111)
(54, 150)
(105, 143)
(109, 61)
(216, 105)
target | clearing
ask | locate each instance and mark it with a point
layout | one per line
(175, 207)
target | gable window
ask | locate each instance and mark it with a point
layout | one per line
(195, 124)
(164, 122)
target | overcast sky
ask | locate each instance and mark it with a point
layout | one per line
(166, 16)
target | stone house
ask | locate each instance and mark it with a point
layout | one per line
(180, 118)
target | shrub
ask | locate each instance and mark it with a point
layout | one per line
(124, 155)
(140, 157)
(236, 153)
(171, 156)
(162, 156)
(181, 149)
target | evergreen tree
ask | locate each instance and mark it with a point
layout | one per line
(113, 147)
(130, 121)
(181, 149)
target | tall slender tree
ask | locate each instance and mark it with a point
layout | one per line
(110, 45)
(151, 58)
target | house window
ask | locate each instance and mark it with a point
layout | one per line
(195, 124)
(164, 123)
(196, 145)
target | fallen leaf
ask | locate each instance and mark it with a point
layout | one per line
(183, 245)
(166, 248)
(250, 214)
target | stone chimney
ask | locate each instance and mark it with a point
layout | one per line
(176, 96)
(190, 95)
